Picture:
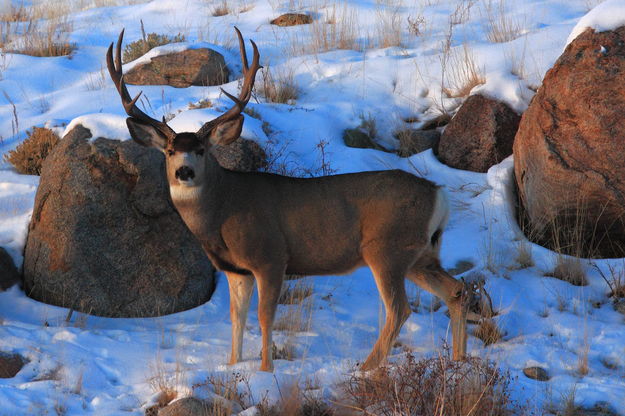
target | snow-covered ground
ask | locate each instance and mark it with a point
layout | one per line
(102, 366)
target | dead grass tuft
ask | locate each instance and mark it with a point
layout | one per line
(221, 9)
(462, 73)
(488, 332)
(570, 269)
(28, 156)
(500, 27)
(524, 256)
(36, 37)
(431, 386)
(278, 85)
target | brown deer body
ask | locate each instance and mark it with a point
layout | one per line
(259, 226)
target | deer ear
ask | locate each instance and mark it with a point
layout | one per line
(145, 134)
(226, 132)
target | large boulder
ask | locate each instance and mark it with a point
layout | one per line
(480, 135)
(104, 237)
(200, 67)
(242, 155)
(569, 152)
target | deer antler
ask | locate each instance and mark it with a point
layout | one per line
(249, 74)
(115, 70)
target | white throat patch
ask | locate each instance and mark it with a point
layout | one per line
(185, 193)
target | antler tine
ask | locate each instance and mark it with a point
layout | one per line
(242, 49)
(130, 104)
(249, 75)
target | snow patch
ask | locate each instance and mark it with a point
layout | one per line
(608, 15)
(110, 126)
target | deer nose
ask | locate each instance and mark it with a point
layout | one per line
(185, 173)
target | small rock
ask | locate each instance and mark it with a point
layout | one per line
(480, 135)
(359, 139)
(292, 19)
(11, 364)
(536, 373)
(189, 406)
(200, 67)
(416, 141)
(8, 272)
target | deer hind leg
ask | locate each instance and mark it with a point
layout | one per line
(390, 283)
(241, 287)
(440, 283)
(269, 286)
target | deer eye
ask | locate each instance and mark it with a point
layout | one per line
(199, 152)
(170, 152)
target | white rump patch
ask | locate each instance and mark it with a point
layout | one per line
(440, 213)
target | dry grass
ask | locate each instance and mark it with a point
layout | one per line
(524, 257)
(221, 9)
(389, 23)
(462, 73)
(570, 269)
(296, 402)
(278, 85)
(488, 332)
(431, 386)
(164, 382)
(37, 38)
(298, 314)
(28, 156)
(339, 30)
(500, 27)
(205, 103)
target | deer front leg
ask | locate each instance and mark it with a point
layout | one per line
(240, 293)
(269, 285)
(440, 283)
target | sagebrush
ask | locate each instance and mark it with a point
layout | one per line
(28, 157)
(140, 47)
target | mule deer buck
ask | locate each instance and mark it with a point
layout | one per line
(259, 226)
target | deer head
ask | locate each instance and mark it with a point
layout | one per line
(186, 153)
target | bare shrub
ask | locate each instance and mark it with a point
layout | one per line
(278, 86)
(431, 386)
(615, 280)
(138, 48)
(28, 156)
(488, 332)
(416, 25)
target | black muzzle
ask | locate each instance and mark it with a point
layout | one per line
(185, 173)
